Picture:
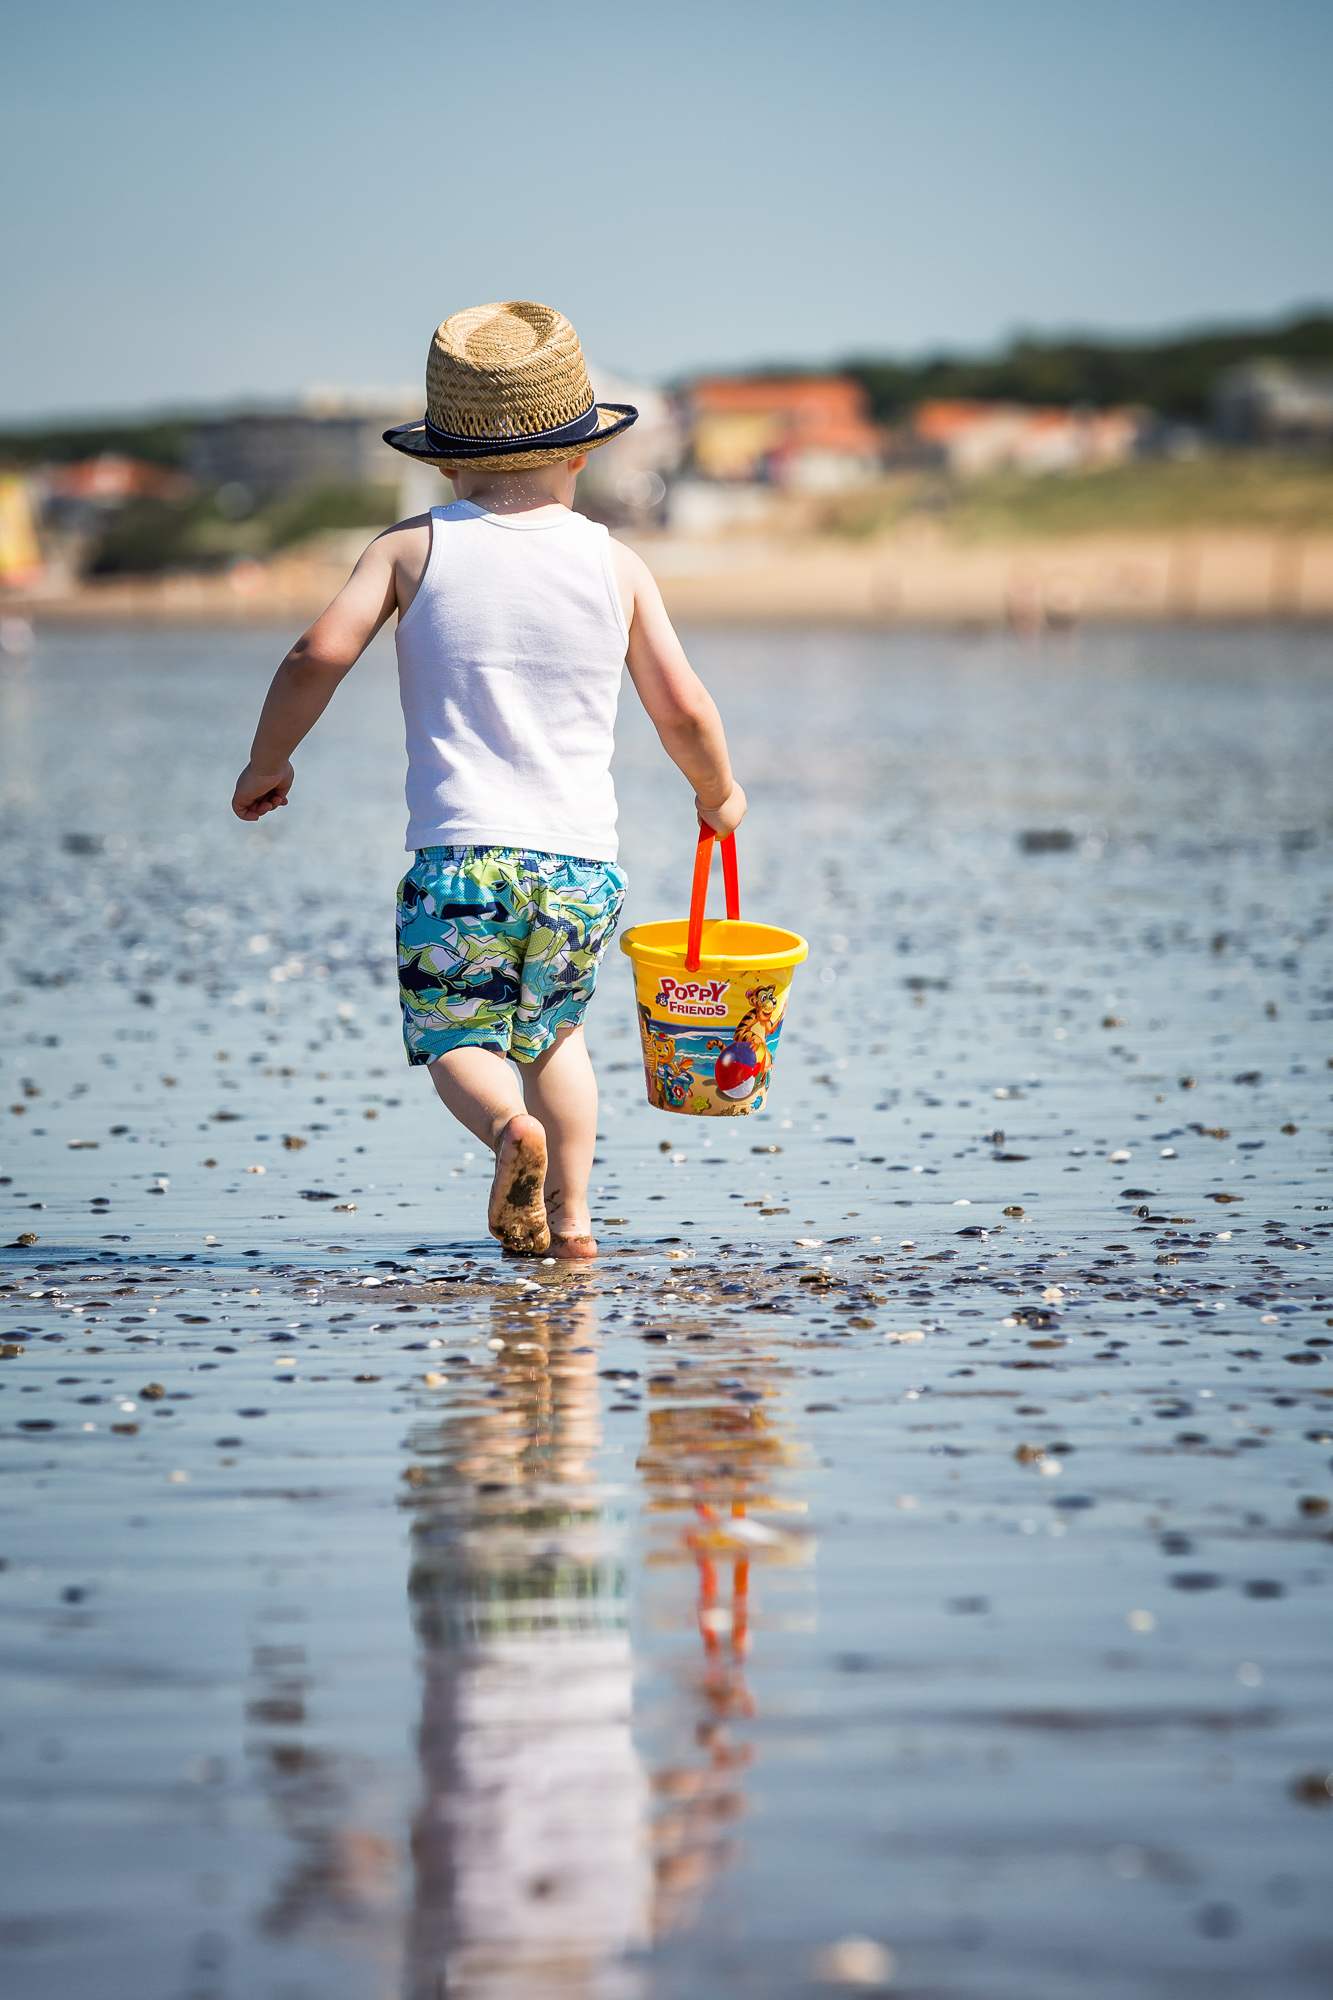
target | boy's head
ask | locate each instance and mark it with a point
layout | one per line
(507, 390)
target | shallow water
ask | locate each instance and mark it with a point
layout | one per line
(655, 1632)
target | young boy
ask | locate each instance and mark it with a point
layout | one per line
(515, 618)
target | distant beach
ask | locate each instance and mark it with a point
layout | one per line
(917, 575)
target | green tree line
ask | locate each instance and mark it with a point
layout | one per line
(1174, 377)
(157, 442)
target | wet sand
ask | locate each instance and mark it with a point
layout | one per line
(916, 1527)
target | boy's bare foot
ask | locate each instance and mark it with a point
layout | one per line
(571, 1228)
(517, 1213)
(573, 1249)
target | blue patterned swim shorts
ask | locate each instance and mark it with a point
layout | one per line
(498, 947)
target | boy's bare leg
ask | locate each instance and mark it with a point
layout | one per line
(561, 1089)
(483, 1093)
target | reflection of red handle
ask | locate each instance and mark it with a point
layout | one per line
(703, 861)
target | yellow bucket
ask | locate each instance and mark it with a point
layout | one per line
(711, 994)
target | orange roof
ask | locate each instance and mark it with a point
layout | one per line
(809, 412)
(948, 418)
(943, 420)
(114, 477)
(799, 395)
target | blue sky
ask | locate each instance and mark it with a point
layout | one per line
(203, 204)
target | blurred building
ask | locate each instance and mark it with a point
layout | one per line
(708, 507)
(111, 479)
(334, 439)
(973, 438)
(20, 555)
(809, 433)
(1273, 402)
(75, 505)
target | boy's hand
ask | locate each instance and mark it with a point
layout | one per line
(260, 792)
(723, 819)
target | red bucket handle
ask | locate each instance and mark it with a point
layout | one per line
(703, 861)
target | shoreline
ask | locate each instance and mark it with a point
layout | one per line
(916, 577)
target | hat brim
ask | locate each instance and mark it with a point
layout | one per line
(413, 442)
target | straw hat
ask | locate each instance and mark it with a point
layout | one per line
(508, 383)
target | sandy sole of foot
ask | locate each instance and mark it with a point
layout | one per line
(517, 1213)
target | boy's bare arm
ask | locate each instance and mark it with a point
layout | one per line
(304, 684)
(682, 710)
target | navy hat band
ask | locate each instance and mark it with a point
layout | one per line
(575, 432)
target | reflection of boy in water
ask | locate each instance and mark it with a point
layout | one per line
(706, 1463)
(531, 1872)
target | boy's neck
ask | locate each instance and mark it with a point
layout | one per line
(537, 488)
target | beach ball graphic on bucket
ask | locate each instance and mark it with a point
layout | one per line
(711, 999)
(738, 1069)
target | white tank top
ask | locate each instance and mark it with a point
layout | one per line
(509, 664)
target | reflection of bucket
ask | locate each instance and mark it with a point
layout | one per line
(711, 998)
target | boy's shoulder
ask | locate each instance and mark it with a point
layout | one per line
(406, 541)
(632, 572)
(415, 525)
(395, 561)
